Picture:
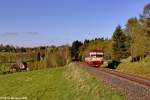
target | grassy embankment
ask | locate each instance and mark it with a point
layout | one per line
(141, 68)
(65, 83)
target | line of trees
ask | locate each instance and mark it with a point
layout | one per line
(134, 40)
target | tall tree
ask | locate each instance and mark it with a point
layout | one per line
(146, 24)
(119, 47)
(146, 11)
(75, 49)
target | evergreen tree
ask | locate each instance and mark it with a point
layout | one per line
(75, 50)
(38, 58)
(119, 47)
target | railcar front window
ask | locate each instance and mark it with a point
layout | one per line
(93, 55)
(99, 55)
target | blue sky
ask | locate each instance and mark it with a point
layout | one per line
(57, 22)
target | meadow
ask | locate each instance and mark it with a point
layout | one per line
(63, 83)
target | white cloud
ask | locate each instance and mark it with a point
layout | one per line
(19, 33)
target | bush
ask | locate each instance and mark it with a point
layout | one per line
(112, 64)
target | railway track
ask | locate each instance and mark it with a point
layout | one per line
(138, 79)
(134, 87)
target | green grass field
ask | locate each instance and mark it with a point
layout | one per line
(64, 83)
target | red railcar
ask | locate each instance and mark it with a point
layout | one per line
(94, 58)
